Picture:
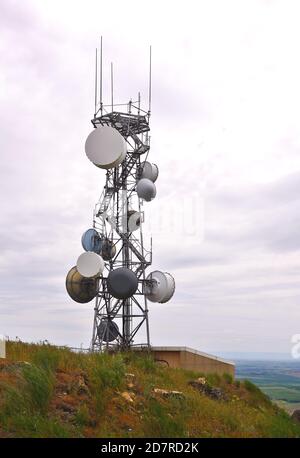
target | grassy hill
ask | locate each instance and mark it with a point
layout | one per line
(50, 392)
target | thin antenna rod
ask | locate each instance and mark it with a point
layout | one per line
(101, 104)
(112, 85)
(150, 81)
(96, 82)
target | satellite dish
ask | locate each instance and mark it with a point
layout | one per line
(149, 171)
(79, 288)
(90, 264)
(105, 147)
(107, 330)
(146, 189)
(159, 286)
(122, 283)
(91, 241)
(134, 220)
(108, 250)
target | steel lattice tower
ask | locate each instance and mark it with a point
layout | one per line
(112, 268)
(111, 214)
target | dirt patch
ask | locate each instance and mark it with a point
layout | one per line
(71, 393)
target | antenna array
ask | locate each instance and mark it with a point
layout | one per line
(112, 268)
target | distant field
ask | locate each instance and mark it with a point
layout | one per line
(278, 379)
(282, 393)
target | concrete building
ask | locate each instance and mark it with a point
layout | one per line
(188, 358)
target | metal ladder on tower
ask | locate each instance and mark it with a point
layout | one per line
(103, 207)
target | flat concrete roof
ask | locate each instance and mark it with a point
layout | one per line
(192, 350)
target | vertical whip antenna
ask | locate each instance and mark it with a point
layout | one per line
(96, 82)
(112, 85)
(150, 81)
(101, 104)
(139, 103)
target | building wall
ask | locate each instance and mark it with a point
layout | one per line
(170, 357)
(192, 361)
(205, 364)
(2, 348)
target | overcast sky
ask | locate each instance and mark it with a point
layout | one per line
(224, 133)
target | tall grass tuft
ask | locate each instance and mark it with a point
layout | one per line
(31, 395)
(105, 370)
(165, 420)
(47, 358)
(38, 387)
(143, 361)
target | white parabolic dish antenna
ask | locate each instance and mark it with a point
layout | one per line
(160, 287)
(134, 220)
(90, 264)
(149, 171)
(146, 189)
(105, 147)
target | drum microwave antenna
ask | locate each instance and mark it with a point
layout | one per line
(112, 268)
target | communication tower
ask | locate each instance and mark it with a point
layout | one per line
(112, 268)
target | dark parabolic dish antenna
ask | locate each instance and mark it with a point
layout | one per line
(108, 250)
(122, 283)
(108, 330)
(79, 288)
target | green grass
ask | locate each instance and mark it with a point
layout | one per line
(44, 398)
(105, 370)
(24, 406)
(33, 393)
(36, 426)
(165, 420)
